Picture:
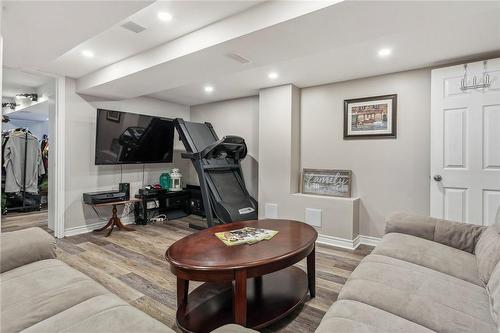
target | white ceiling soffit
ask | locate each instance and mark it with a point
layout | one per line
(306, 47)
(163, 67)
(16, 81)
(37, 32)
(117, 43)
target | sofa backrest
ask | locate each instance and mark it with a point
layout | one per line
(488, 250)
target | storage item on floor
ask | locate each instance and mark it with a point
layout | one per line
(195, 205)
(155, 202)
(426, 275)
(23, 165)
(41, 294)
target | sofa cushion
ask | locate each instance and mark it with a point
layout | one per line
(494, 292)
(354, 317)
(488, 251)
(432, 299)
(36, 245)
(436, 256)
(104, 313)
(37, 291)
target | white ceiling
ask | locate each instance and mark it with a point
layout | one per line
(334, 43)
(307, 43)
(117, 43)
(35, 33)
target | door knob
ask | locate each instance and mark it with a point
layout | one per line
(438, 178)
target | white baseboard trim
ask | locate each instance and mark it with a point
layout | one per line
(347, 243)
(369, 240)
(83, 229)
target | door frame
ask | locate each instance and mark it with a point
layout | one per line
(58, 150)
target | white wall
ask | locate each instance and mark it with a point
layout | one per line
(279, 162)
(388, 174)
(234, 117)
(82, 175)
(38, 128)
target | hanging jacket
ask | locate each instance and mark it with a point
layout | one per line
(14, 154)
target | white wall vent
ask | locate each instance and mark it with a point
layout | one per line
(132, 26)
(238, 58)
(271, 211)
(313, 217)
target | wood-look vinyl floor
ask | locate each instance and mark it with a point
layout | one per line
(132, 265)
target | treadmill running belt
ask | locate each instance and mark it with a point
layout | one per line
(228, 187)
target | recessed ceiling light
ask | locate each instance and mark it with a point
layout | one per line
(165, 16)
(272, 75)
(87, 53)
(384, 52)
(209, 89)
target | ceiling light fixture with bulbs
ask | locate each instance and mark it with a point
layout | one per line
(384, 52)
(209, 89)
(165, 16)
(273, 75)
(88, 53)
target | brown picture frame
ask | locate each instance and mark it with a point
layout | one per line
(390, 132)
(114, 116)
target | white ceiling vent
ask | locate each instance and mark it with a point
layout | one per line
(132, 26)
(238, 58)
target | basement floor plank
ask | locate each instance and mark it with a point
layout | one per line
(132, 265)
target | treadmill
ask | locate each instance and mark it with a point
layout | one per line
(217, 162)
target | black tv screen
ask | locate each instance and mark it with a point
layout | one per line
(130, 138)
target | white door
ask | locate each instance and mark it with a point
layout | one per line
(465, 145)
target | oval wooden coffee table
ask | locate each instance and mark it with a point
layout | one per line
(251, 285)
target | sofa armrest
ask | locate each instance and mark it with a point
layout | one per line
(18, 248)
(462, 236)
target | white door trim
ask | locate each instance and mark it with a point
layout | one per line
(58, 150)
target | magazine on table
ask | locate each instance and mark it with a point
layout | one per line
(245, 235)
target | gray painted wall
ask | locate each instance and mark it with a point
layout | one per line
(388, 174)
(235, 117)
(82, 175)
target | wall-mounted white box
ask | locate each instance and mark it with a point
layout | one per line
(313, 217)
(271, 211)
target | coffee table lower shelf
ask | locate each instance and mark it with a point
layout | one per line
(269, 299)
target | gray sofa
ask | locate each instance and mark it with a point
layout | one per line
(426, 275)
(42, 294)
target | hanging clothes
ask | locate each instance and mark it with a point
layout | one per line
(44, 148)
(22, 149)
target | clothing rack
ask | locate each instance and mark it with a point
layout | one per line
(24, 207)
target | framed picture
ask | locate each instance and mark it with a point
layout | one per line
(113, 116)
(336, 183)
(370, 117)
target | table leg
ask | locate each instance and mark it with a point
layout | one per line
(182, 293)
(311, 272)
(240, 298)
(110, 222)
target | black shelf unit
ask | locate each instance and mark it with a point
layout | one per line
(155, 202)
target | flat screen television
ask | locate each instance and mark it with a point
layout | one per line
(130, 138)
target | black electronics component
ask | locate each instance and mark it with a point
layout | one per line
(94, 198)
(159, 201)
(195, 205)
(217, 162)
(130, 138)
